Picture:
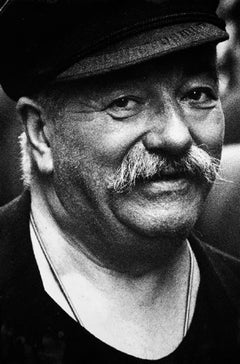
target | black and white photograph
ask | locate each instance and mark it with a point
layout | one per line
(120, 181)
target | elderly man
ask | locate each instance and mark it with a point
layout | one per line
(123, 130)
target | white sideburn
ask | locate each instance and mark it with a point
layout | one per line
(144, 333)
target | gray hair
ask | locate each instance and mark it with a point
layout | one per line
(26, 160)
(141, 165)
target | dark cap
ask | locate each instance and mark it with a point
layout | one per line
(47, 40)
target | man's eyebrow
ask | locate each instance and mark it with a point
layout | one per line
(202, 67)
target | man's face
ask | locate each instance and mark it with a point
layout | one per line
(162, 109)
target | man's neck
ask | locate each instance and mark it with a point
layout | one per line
(149, 306)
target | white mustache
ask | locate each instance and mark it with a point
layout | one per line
(140, 165)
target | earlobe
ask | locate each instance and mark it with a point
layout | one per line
(38, 133)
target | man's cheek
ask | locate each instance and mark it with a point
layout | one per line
(209, 133)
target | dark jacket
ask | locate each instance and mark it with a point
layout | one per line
(34, 329)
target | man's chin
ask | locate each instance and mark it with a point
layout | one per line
(176, 230)
(169, 215)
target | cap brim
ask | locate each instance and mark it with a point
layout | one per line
(143, 47)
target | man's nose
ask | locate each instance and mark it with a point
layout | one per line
(168, 134)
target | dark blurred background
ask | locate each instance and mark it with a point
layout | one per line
(229, 60)
(10, 129)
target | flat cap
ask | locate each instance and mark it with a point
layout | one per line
(47, 40)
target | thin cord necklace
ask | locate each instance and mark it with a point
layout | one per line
(54, 271)
(56, 275)
(189, 292)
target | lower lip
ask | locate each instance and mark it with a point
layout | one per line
(180, 185)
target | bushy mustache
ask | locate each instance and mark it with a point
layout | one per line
(140, 165)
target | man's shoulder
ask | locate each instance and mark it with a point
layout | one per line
(14, 237)
(225, 264)
(14, 218)
(11, 209)
(224, 267)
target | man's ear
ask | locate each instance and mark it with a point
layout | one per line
(38, 133)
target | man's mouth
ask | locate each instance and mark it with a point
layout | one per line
(165, 183)
(163, 176)
(140, 170)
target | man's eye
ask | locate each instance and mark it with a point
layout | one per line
(123, 107)
(201, 97)
(123, 102)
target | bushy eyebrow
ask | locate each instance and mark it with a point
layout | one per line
(203, 66)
